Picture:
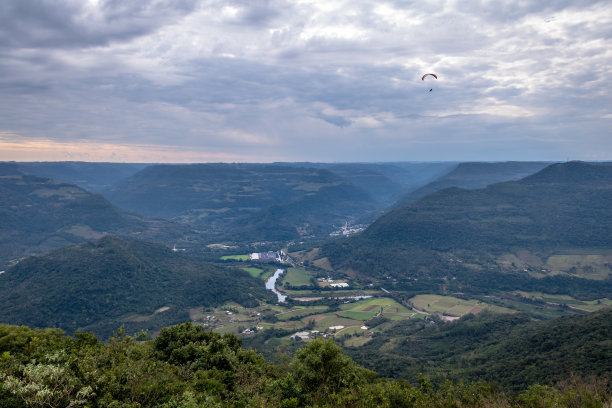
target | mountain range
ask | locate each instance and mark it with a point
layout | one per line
(106, 283)
(39, 214)
(501, 235)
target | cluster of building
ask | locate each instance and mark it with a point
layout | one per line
(270, 256)
(333, 283)
(252, 330)
(348, 230)
(313, 334)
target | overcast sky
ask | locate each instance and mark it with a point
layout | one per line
(316, 80)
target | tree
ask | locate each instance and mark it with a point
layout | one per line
(321, 367)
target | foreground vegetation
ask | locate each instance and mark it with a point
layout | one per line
(187, 366)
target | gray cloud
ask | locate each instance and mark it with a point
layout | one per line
(313, 80)
(74, 23)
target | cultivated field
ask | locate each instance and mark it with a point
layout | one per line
(368, 308)
(235, 258)
(297, 277)
(583, 305)
(591, 266)
(452, 306)
(255, 272)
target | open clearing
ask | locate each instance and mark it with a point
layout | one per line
(235, 258)
(452, 306)
(299, 311)
(584, 305)
(255, 272)
(297, 277)
(590, 266)
(368, 308)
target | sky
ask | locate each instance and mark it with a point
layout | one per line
(306, 80)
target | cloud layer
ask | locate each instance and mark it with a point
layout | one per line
(212, 80)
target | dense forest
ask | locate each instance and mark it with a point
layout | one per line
(463, 233)
(38, 214)
(99, 285)
(510, 350)
(187, 366)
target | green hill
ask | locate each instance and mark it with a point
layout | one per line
(187, 366)
(94, 177)
(500, 235)
(509, 350)
(384, 182)
(274, 201)
(474, 175)
(39, 214)
(100, 285)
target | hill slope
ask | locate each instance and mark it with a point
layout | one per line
(466, 233)
(99, 285)
(38, 214)
(222, 198)
(473, 176)
(94, 177)
(384, 182)
(509, 350)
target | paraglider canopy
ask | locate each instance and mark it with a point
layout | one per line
(433, 75)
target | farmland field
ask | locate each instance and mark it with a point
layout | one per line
(585, 266)
(584, 305)
(452, 306)
(235, 258)
(301, 311)
(255, 272)
(368, 308)
(297, 277)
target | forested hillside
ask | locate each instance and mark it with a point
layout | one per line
(276, 202)
(494, 237)
(510, 350)
(100, 285)
(186, 366)
(94, 177)
(474, 175)
(39, 214)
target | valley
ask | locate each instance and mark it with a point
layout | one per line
(281, 255)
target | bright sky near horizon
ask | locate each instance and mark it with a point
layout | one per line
(305, 80)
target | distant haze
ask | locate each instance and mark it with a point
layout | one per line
(307, 80)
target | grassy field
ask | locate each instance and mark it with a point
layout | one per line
(255, 272)
(452, 306)
(357, 341)
(301, 311)
(297, 277)
(584, 305)
(589, 266)
(368, 308)
(235, 258)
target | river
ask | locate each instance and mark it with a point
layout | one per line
(271, 285)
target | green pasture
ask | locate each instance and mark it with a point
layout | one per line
(235, 258)
(367, 308)
(358, 315)
(326, 320)
(297, 277)
(584, 305)
(591, 266)
(541, 311)
(352, 330)
(453, 306)
(357, 341)
(255, 272)
(268, 272)
(302, 311)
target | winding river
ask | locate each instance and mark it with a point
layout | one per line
(271, 285)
